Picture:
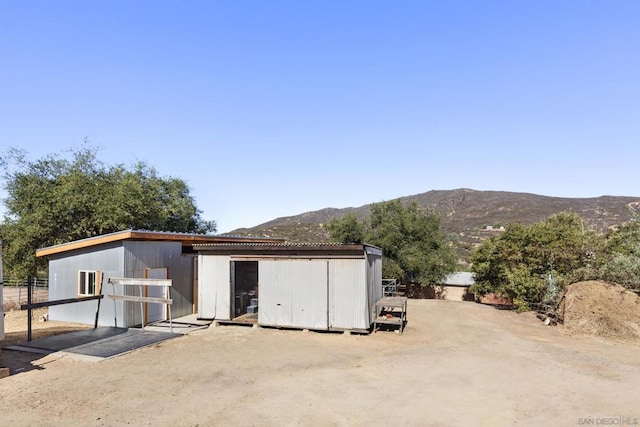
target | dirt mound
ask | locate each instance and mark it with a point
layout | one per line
(602, 309)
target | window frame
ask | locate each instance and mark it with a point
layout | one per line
(84, 284)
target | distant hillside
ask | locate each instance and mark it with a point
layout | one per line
(470, 214)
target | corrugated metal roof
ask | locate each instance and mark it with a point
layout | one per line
(283, 247)
(185, 238)
(278, 244)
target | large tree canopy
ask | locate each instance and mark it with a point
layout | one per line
(55, 200)
(526, 261)
(622, 251)
(414, 248)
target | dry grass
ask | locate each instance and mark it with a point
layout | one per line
(10, 306)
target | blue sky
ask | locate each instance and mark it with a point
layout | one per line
(274, 108)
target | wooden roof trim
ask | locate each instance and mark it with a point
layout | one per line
(186, 239)
(84, 243)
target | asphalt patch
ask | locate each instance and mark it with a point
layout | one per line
(97, 343)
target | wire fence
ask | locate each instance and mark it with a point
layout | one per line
(15, 292)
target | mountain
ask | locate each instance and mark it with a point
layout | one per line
(472, 215)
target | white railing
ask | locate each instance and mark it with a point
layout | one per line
(389, 287)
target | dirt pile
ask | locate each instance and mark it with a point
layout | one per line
(602, 309)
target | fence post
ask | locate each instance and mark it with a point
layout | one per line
(29, 311)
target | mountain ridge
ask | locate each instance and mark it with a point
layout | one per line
(468, 213)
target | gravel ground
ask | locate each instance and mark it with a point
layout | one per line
(457, 363)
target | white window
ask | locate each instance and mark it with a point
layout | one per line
(88, 282)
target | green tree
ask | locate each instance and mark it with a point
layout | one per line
(346, 229)
(625, 239)
(622, 256)
(55, 200)
(414, 248)
(520, 262)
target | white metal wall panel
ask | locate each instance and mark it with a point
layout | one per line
(293, 293)
(1, 297)
(63, 284)
(140, 255)
(1, 309)
(374, 282)
(214, 287)
(348, 300)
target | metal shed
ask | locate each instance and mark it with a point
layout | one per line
(307, 286)
(126, 254)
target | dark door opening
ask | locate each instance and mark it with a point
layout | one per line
(244, 286)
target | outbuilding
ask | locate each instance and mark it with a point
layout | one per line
(83, 267)
(306, 286)
(455, 286)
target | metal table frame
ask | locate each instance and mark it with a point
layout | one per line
(391, 311)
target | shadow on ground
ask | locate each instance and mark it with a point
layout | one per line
(20, 361)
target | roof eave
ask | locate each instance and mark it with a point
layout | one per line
(184, 238)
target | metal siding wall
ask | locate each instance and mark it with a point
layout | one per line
(1, 305)
(293, 293)
(206, 289)
(378, 277)
(214, 288)
(272, 294)
(1, 297)
(63, 283)
(348, 294)
(374, 282)
(139, 255)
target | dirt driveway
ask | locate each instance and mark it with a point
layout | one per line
(456, 364)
